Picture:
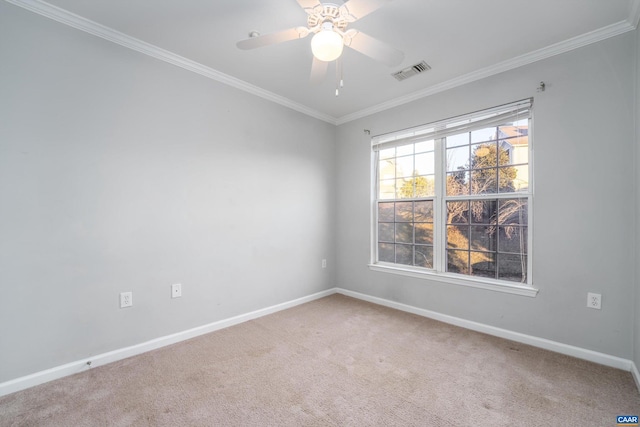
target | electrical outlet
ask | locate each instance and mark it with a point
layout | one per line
(324, 263)
(594, 301)
(126, 299)
(176, 290)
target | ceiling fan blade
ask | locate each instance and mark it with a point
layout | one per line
(318, 71)
(273, 38)
(373, 48)
(308, 5)
(356, 9)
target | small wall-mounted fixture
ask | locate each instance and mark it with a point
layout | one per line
(541, 88)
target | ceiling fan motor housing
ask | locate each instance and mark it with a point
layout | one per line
(327, 13)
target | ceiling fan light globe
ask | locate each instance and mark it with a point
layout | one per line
(327, 45)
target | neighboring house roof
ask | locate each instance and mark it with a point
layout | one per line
(519, 135)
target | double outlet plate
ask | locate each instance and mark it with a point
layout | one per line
(594, 300)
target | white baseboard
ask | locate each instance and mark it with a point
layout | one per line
(123, 353)
(636, 374)
(569, 350)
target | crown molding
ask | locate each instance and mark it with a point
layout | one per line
(71, 19)
(519, 61)
(65, 17)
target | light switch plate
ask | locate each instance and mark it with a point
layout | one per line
(176, 290)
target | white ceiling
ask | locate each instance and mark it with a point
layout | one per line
(461, 40)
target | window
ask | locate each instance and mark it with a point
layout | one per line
(453, 198)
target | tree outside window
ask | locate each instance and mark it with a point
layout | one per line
(480, 200)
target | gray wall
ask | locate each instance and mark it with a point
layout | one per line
(583, 204)
(119, 172)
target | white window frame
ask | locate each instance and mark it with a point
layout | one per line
(438, 131)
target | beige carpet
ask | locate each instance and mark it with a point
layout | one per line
(336, 361)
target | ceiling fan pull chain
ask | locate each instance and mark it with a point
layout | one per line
(339, 76)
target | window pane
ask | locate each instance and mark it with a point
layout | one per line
(386, 211)
(404, 232)
(504, 155)
(425, 146)
(424, 256)
(457, 158)
(387, 153)
(512, 211)
(404, 166)
(483, 156)
(484, 238)
(457, 183)
(519, 152)
(387, 169)
(419, 186)
(385, 232)
(514, 179)
(512, 267)
(458, 236)
(507, 179)
(516, 154)
(404, 212)
(425, 164)
(484, 181)
(404, 254)
(457, 140)
(484, 211)
(513, 239)
(424, 186)
(458, 261)
(458, 212)
(486, 134)
(404, 187)
(387, 195)
(423, 211)
(424, 233)
(404, 150)
(483, 264)
(386, 252)
(516, 138)
(387, 189)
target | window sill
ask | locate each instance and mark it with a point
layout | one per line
(506, 287)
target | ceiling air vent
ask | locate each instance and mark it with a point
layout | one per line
(411, 71)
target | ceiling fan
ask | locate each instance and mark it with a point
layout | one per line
(328, 22)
